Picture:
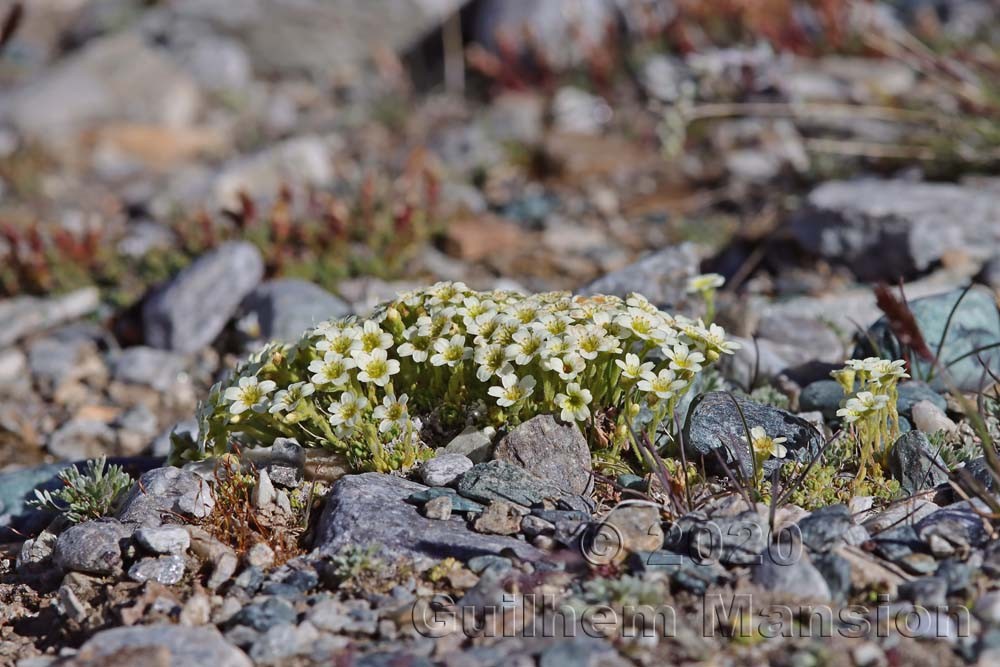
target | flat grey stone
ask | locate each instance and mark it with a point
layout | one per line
(371, 509)
(286, 308)
(91, 547)
(163, 493)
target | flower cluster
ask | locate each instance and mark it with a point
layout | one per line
(367, 387)
(871, 410)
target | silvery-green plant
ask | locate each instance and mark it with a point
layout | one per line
(365, 387)
(85, 495)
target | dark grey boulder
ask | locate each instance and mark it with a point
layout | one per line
(715, 423)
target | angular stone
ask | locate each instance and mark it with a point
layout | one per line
(472, 443)
(550, 450)
(148, 366)
(191, 310)
(369, 509)
(824, 529)
(444, 469)
(163, 539)
(499, 518)
(627, 529)
(163, 493)
(798, 578)
(715, 422)
(438, 508)
(916, 464)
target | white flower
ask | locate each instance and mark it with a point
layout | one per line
(512, 389)
(664, 385)
(341, 341)
(450, 352)
(705, 282)
(392, 412)
(249, 394)
(492, 360)
(373, 338)
(416, 346)
(287, 400)
(884, 370)
(525, 347)
(682, 359)
(632, 367)
(375, 366)
(447, 292)
(635, 300)
(763, 445)
(554, 324)
(438, 325)
(641, 323)
(332, 369)
(345, 413)
(568, 366)
(556, 346)
(592, 340)
(574, 403)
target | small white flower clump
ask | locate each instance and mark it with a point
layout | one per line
(870, 410)
(355, 385)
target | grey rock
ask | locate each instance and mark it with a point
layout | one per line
(499, 480)
(14, 377)
(137, 429)
(914, 391)
(286, 308)
(166, 570)
(661, 277)
(284, 641)
(688, 573)
(23, 316)
(92, 547)
(810, 333)
(36, 551)
(627, 529)
(191, 310)
(163, 539)
(825, 528)
(263, 491)
(472, 443)
(915, 463)
(163, 493)
(56, 363)
(762, 362)
(400, 531)
(732, 540)
(798, 578)
(480, 564)
(286, 465)
(926, 591)
(959, 526)
(350, 616)
(444, 469)
(260, 556)
(975, 323)
(716, 422)
(836, 570)
(980, 470)
(82, 438)
(149, 367)
(114, 78)
(557, 453)
(884, 229)
(184, 646)
(304, 160)
(264, 614)
(217, 63)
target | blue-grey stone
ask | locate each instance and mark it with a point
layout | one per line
(975, 324)
(287, 307)
(262, 615)
(715, 423)
(916, 463)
